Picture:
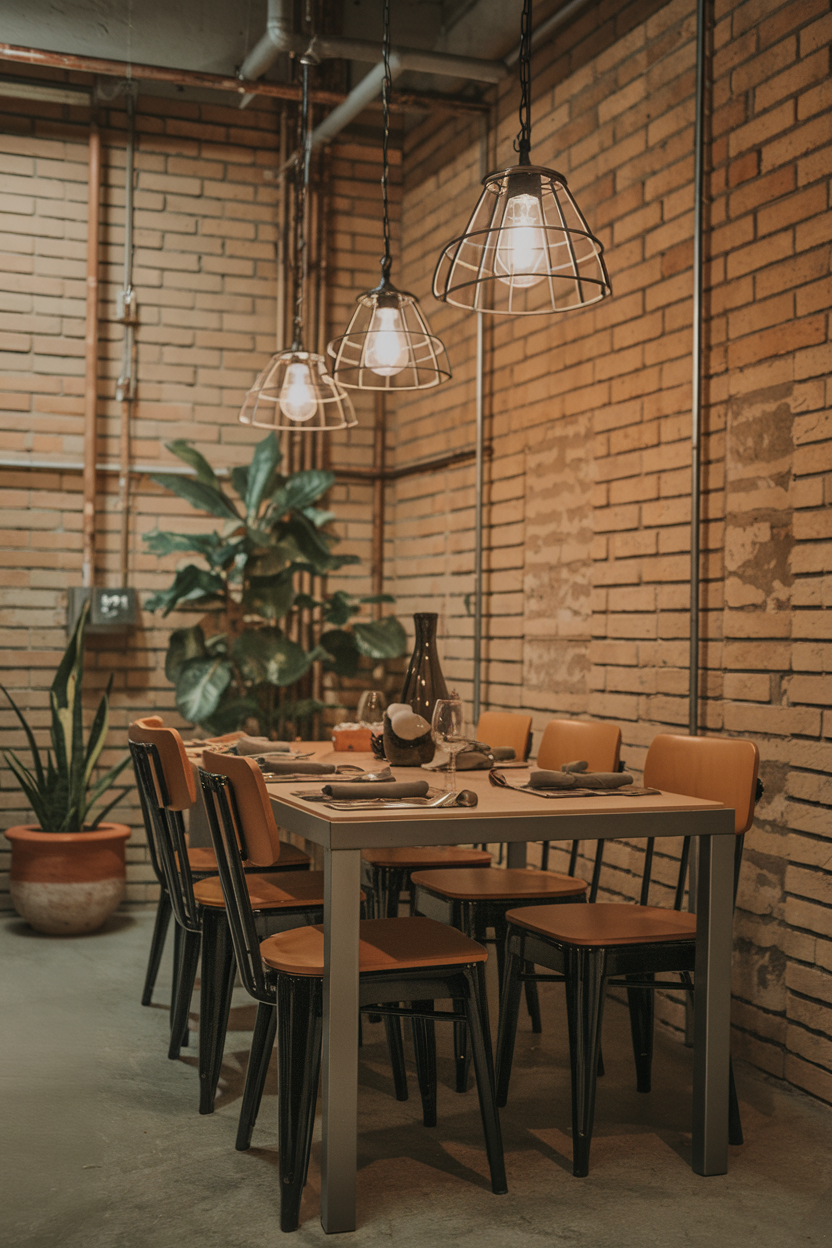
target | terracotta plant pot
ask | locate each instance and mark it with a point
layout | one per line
(67, 884)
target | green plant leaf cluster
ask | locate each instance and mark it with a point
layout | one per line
(253, 666)
(60, 788)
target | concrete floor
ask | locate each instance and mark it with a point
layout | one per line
(103, 1147)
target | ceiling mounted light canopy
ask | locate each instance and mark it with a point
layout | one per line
(527, 248)
(388, 344)
(294, 390)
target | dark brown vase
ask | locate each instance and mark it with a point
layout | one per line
(424, 682)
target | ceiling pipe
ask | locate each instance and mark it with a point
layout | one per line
(281, 37)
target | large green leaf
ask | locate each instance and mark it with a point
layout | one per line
(218, 553)
(232, 713)
(317, 517)
(200, 686)
(239, 479)
(184, 644)
(340, 608)
(187, 452)
(261, 473)
(30, 738)
(191, 584)
(269, 596)
(201, 496)
(311, 543)
(342, 652)
(306, 487)
(381, 639)
(264, 654)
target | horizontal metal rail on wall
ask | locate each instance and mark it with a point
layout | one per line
(436, 464)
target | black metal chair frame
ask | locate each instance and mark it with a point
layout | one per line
(587, 972)
(291, 1006)
(198, 928)
(164, 909)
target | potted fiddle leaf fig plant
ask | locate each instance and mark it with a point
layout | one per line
(249, 660)
(68, 870)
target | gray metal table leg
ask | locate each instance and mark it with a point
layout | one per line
(516, 854)
(339, 1155)
(712, 1022)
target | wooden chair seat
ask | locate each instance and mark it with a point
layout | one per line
(203, 860)
(384, 945)
(605, 924)
(414, 857)
(495, 884)
(269, 892)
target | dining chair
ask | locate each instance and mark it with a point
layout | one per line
(202, 862)
(411, 960)
(506, 729)
(475, 901)
(589, 947)
(168, 788)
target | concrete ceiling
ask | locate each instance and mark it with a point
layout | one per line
(216, 35)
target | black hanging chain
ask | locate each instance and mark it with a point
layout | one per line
(386, 88)
(523, 142)
(301, 266)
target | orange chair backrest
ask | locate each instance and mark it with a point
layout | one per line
(568, 740)
(719, 769)
(176, 767)
(258, 828)
(505, 728)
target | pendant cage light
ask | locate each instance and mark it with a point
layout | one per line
(388, 344)
(295, 391)
(527, 248)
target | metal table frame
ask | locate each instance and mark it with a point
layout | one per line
(514, 819)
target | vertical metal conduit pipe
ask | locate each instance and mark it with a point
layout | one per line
(126, 387)
(696, 437)
(91, 350)
(479, 471)
(696, 388)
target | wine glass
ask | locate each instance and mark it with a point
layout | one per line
(447, 728)
(371, 706)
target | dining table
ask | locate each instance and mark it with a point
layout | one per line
(515, 818)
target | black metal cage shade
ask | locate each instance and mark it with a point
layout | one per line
(388, 345)
(294, 391)
(527, 250)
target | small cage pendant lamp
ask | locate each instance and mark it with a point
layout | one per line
(388, 344)
(294, 390)
(527, 248)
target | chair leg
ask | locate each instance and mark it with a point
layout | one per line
(299, 1057)
(262, 1043)
(477, 1011)
(217, 977)
(157, 944)
(532, 999)
(393, 1030)
(462, 1053)
(507, 1030)
(642, 1008)
(585, 991)
(735, 1135)
(424, 1048)
(185, 978)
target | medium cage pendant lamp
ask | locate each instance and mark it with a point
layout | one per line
(527, 248)
(388, 344)
(294, 390)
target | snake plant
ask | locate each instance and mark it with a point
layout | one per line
(60, 787)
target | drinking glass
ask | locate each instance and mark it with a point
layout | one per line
(371, 706)
(448, 731)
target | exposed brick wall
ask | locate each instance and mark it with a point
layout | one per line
(205, 270)
(588, 490)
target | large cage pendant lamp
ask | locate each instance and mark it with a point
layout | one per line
(294, 390)
(527, 248)
(388, 344)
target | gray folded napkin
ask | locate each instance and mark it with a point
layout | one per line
(261, 745)
(294, 767)
(579, 779)
(400, 788)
